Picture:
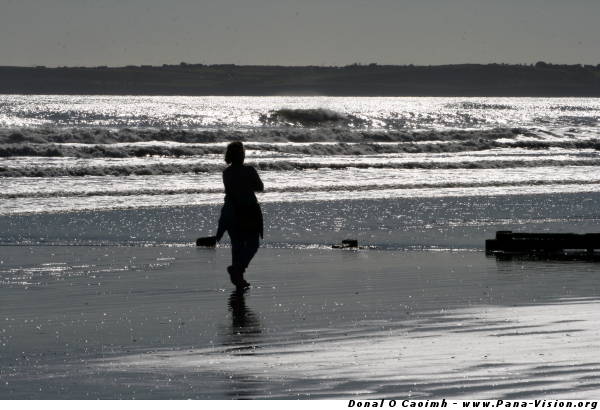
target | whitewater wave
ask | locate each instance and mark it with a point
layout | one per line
(197, 168)
(317, 149)
(104, 151)
(52, 135)
(570, 120)
(573, 108)
(329, 188)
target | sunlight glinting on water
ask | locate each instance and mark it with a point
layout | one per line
(102, 152)
(195, 112)
(217, 160)
(322, 185)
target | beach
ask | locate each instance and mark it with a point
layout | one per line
(158, 320)
(163, 322)
(444, 220)
(104, 294)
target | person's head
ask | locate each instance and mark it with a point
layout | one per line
(235, 153)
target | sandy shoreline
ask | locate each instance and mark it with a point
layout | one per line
(163, 322)
(462, 222)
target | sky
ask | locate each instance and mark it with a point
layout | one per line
(297, 32)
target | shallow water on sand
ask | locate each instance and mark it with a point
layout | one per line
(163, 322)
(390, 223)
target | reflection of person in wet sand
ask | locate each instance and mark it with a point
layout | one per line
(245, 330)
(243, 320)
(241, 216)
(242, 338)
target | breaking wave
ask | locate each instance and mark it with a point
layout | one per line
(573, 108)
(355, 188)
(470, 105)
(333, 149)
(324, 134)
(105, 143)
(311, 117)
(170, 169)
(570, 120)
(103, 151)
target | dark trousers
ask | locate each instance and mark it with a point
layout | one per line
(243, 248)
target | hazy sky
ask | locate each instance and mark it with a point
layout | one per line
(297, 32)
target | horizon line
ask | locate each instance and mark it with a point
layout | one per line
(352, 65)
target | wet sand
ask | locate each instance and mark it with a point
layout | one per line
(163, 322)
(461, 222)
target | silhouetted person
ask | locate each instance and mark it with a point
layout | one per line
(241, 216)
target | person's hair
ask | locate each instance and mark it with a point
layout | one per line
(235, 153)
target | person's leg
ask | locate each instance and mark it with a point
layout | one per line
(237, 248)
(237, 257)
(251, 243)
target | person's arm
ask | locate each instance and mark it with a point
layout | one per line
(223, 222)
(257, 182)
(226, 180)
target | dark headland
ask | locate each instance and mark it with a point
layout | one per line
(541, 79)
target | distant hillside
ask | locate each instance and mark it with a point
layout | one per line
(356, 80)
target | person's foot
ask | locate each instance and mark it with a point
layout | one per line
(237, 277)
(233, 275)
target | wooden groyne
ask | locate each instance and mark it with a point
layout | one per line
(524, 243)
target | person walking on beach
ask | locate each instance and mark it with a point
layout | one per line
(241, 215)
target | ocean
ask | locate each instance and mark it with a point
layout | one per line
(331, 166)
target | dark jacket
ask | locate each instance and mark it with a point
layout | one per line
(241, 211)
